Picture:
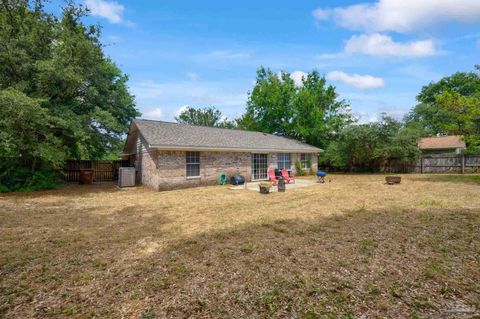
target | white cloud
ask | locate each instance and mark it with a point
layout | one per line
(192, 76)
(370, 116)
(155, 113)
(181, 110)
(228, 55)
(297, 77)
(401, 16)
(110, 10)
(330, 56)
(322, 14)
(356, 80)
(383, 45)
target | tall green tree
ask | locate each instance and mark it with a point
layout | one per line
(429, 113)
(464, 117)
(270, 104)
(319, 115)
(28, 128)
(207, 116)
(53, 68)
(310, 112)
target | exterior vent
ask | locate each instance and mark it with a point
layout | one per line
(126, 177)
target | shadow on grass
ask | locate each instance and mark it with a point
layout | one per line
(370, 263)
(69, 189)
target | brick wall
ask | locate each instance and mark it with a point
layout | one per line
(164, 170)
(272, 161)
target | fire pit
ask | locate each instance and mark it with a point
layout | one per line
(391, 180)
(264, 187)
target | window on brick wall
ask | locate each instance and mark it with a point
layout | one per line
(193, 164)
(284, 160)
(306, 160)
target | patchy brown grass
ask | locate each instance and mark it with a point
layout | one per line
(349, 248)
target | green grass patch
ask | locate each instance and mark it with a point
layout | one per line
(429, 202)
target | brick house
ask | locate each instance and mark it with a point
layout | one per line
(171, 155)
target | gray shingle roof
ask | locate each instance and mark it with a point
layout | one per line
(167, 135)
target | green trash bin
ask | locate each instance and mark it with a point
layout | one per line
(223, 179)
(281, 185)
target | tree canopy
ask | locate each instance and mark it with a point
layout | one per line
(207, 116)
(60, 96)
(310, 112)
(464, 117)
(369, 146)
(430, 114)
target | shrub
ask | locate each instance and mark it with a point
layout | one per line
(15, 176)
(299, 169)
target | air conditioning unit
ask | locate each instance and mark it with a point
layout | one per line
(126, 177)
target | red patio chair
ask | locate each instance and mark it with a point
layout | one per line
(288, 179)
(272, 177)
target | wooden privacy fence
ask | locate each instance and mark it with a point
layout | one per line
(103, 171)
(448, 164)
(458, 164)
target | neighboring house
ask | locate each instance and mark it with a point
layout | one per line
(171, 155)
(441, 145)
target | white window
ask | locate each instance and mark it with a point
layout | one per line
(284, 160)
(306, 160)
(193, 164)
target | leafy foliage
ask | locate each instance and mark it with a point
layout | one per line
(60, 96)
(369, 146)
(310, 112)
(464, 117)
(28, 129)
(15, 176)
(208, 116)
(430, 115)
(299, 169)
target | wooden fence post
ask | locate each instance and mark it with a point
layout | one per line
(421, 165)
(463, 164)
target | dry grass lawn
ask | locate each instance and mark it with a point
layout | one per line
(350, 248)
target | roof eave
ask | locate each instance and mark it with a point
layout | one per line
(229, 149)
(441, 148)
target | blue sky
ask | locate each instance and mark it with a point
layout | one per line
(378, 54)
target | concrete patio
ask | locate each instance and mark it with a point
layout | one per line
(299, 183)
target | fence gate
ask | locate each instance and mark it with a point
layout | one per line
(103, 171)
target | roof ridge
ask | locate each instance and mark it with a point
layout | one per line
(218, 128)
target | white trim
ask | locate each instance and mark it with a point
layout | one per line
(229, 149)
